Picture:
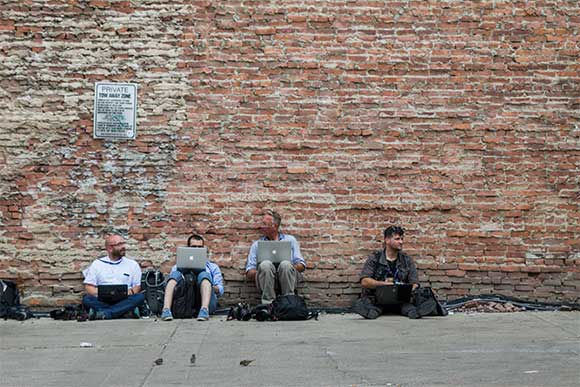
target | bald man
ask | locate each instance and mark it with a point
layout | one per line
(113, 269)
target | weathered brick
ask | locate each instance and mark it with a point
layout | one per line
(344, 125)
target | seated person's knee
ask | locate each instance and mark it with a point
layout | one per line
(285, 266)
(174, 276)
(203, 276)
(266, 265)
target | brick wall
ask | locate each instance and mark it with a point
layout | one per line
(459, 122)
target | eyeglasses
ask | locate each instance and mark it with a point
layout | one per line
(117, 244)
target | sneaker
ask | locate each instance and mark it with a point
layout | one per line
(96, 315)
(135, 313)
(203, 315)
(366, 309)
(413, 314)
(166, 315)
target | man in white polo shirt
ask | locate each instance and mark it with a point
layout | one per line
(113, 269)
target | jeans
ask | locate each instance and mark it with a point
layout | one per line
(116, 310)
(177, 276)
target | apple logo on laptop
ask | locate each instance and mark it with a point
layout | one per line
(273, 252)
(191, 257)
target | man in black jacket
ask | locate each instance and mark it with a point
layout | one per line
(385, 267)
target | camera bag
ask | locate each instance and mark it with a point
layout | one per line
(290, 307)
(153, 285)
(10, 307)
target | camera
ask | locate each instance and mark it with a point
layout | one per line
(240, 312)
(263, 312)
(19, 313)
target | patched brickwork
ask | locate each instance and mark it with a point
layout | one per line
(459, 122)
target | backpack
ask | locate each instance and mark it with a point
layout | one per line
(153, 285)
(10, 307)
(184, 305)
(290, 307)
(9, 297)
(427, 303)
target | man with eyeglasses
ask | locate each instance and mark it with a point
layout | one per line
(113, 269)
(267, 275)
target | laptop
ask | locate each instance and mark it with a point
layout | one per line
(191, 258)
(393, 294)
(274, 251)
(112, 294)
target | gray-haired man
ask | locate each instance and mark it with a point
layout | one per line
(266, 274)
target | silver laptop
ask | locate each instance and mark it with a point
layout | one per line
(193, 258)
(274, 251)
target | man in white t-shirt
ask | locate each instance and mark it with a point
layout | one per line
(113, 269)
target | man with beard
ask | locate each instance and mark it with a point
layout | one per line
(113, 269)
(387, 267)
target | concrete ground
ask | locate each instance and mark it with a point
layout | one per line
(514, 349)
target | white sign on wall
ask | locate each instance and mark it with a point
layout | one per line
(115, 111)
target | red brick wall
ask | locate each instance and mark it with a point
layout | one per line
(459, 122)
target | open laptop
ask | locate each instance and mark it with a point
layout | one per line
(393, 294)
(274, 251)
(112, 294)
(192, 258)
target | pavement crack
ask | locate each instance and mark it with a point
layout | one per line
(199, 349)
(160, 355)
(574, 334)
(331, 355)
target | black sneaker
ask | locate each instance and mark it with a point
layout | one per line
(413, 314)
(366, 309)
(96, 315)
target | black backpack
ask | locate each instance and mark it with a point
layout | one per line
(153, 285)
(10, 307)
(427, 303)
(290, 307)
(184, 298)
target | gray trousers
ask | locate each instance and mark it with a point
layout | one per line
(285, 275)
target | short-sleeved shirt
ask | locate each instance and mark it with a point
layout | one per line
(217, 279)
(103, 271)
(296, 258)
(377, 268)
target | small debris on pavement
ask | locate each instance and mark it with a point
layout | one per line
(158, 361)
(480, 306)
(245, 363)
